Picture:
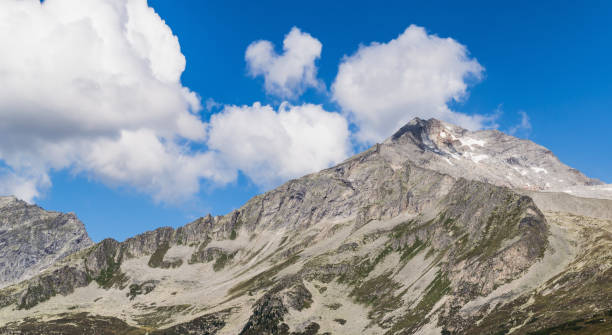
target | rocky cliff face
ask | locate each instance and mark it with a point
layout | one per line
(32, 239)
(376, 245)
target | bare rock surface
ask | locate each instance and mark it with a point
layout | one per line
(32, 239)
(487, 155)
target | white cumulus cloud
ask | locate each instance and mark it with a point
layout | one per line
(271, 145)
(290, 74)
(384, 85)
(94, 86)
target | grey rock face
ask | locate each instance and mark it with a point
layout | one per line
(488, 155)
(32, 239)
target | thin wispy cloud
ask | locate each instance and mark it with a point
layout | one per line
(523, 128)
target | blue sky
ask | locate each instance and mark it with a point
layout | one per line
(550, 60)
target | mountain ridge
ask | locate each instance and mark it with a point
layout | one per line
(399, 247)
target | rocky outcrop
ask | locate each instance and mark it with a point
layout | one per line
(61, 281)
(208, 324)
(32, 239)
(269, 310)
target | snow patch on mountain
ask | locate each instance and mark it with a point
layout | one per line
(539, 169)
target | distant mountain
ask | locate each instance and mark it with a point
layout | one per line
(32, 239)
(437, 230)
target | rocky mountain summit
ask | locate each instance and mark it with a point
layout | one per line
(32, 239)
(421, 234)
(489, 156)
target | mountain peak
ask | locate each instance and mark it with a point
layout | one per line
(431, 134)
(36, 238)
(4, 200)
(484, 155)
